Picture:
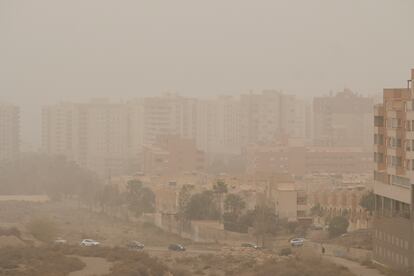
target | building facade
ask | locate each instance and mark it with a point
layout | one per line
(270, 115)
(393, 177)
(172, 156)
(9, 132)
(169, 114)
(218, 125)
(97, 135)
(344, 119)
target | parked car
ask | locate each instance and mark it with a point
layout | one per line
(176, 247)
(89, 242)
(59, 241)
(249, 245)
(135, 245)
(297, 242)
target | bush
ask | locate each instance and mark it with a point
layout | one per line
(12, 231)
(43, 229)
(300, 266)
(38, 261)
(338, 226)
(285, 252)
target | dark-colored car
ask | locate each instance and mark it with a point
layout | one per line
(135, 245)
(176, 247)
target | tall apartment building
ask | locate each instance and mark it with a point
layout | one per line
(344, 119)
(9, 132)
(99, 135)
(107, 132)
(270, 115)
(169, 114)
(218, 125)
(394, 177)
(108, 138)
(64, 130)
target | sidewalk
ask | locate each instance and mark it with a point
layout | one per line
(354, 267)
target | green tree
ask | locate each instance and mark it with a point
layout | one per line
(265, 222)
(368, 201)
(337, 226)
(234, 204)
(184, 197)
(201, 206)
(220, 187)
(43, 229)
(316, 210)
(139, 199)
(110, 199)
(55, 176)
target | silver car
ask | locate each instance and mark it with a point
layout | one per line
(89, 242)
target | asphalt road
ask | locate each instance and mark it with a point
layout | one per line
(158, 249)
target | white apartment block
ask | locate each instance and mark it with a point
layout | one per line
(343, 119)
(218, 125)
(9, 132)
(169, 114)
(108, 138)
(270, 115)
(97, 135)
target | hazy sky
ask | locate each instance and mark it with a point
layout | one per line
(53, 50)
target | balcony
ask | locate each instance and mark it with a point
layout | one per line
(399, 193)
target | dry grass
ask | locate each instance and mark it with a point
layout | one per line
(33, 261)
(299, 266)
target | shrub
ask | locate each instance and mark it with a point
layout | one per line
(338, 226)
(38, 261)
(285, 252)
(43, 229)
(12, 231)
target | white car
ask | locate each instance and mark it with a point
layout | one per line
(89, 242)
(297, 242)
(59, 241)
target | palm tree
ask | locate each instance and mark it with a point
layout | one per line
(220, 188)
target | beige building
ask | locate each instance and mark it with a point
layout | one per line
(172, 156)
(9, 132)
(299, 160)
(218, 125)
(394, 177)
(169, 114)
(97, 135)
(290, 202)
(110, 138)
(270, 115)
(343, 201)
(344, 119)
(64, 131)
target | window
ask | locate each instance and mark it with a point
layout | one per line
(379, 121)
(400, 181)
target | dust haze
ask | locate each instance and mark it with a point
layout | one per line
(206, 137)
